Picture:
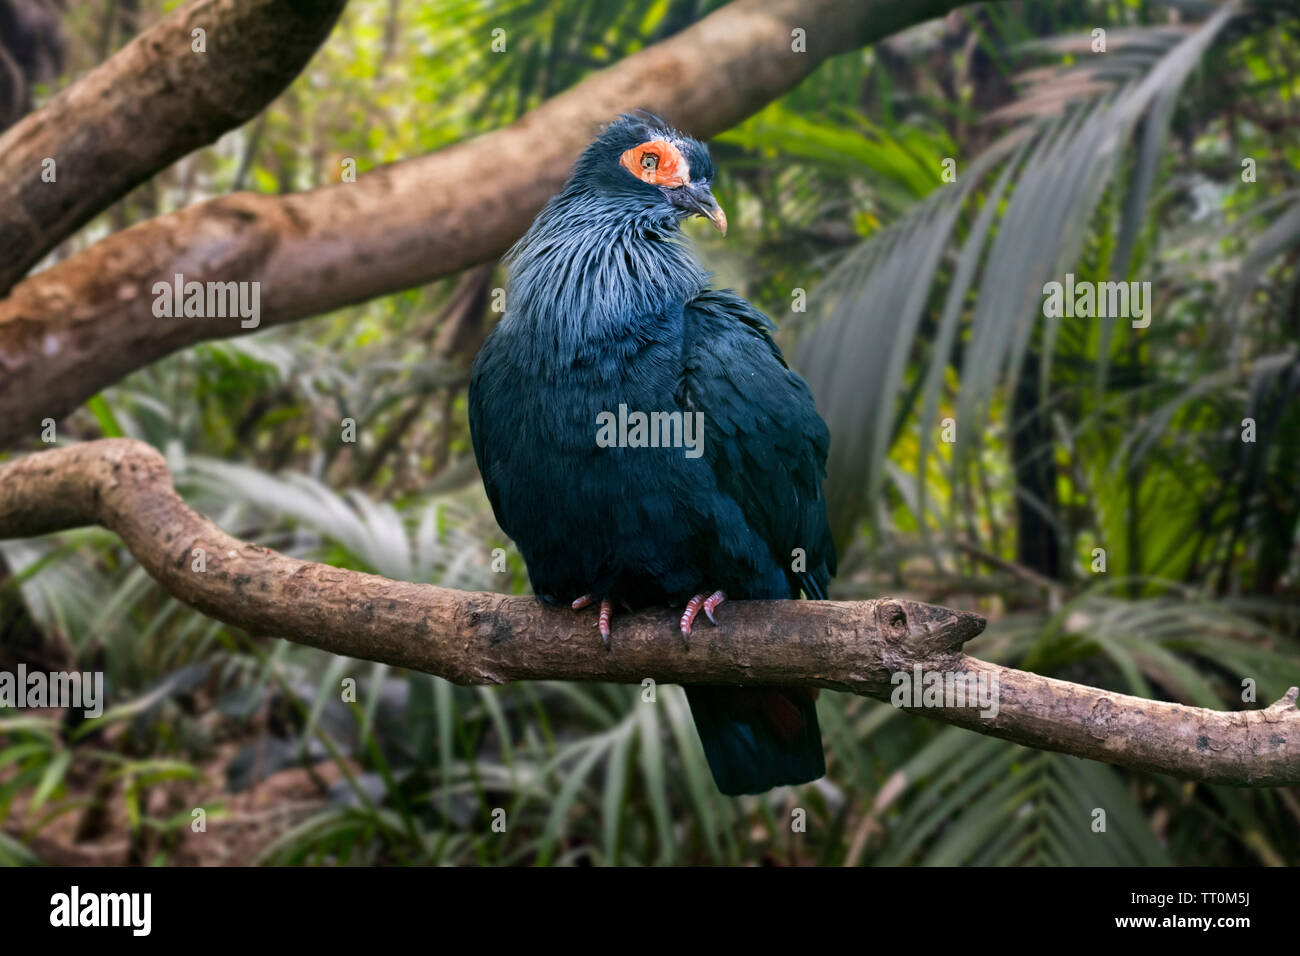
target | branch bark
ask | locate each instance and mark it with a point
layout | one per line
(152, 103)
(78, 326)
(481, 638)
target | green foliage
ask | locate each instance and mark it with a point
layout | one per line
(925, 304)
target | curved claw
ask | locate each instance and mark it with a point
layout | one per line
(606, 612)
(695, 605)
(688, 616)
(711, 604)
(602, 622)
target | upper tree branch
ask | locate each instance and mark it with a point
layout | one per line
(153, 102)
(477, 638)
(86, 322)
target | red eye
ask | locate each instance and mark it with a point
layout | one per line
(657, 162)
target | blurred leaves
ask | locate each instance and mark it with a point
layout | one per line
(924, 305)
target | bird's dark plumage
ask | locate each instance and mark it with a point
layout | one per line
(608, 308)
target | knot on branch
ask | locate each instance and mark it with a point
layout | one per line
(1284, 703)
(918, 633)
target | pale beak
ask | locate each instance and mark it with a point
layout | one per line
(710, 210)
(700, 201)
(718, 218)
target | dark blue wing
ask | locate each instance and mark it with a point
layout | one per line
(763, 437)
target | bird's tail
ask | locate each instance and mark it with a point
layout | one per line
(757, 738)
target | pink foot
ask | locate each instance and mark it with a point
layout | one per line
(606, 613)
(695, 605)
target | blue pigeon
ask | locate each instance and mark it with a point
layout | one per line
(641, 438)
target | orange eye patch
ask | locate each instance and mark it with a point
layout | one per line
(657, 162)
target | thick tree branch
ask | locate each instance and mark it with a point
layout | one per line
(152, 103)
(480, 638)
(86, 322)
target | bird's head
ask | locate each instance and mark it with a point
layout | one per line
(647, 165)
